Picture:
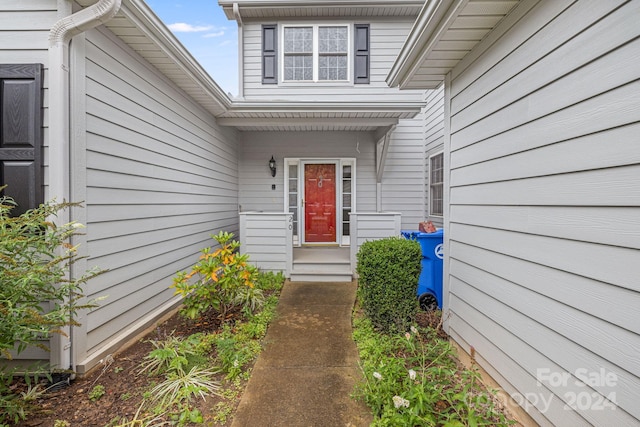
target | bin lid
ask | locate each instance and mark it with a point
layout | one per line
(415, 234)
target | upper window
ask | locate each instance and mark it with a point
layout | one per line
(436, 184)
(316, 53)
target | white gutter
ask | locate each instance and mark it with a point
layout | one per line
(236, 14)
(60, 37)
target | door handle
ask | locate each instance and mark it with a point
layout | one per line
(302, 203)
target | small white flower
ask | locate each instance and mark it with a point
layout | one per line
(414, 330)
(398, 402)
(407, 335)
(77, 225)
(236, 363)
(377, 375)
(412, 374)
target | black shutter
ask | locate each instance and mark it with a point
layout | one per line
(361, 58)
(270, 54)
(21, 134)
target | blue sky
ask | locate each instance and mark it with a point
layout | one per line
(204, 30)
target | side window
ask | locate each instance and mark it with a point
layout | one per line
(21, 134)
(436, 184)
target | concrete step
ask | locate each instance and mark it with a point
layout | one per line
(320, 277)
(314, 271)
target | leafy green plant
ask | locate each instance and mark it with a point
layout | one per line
(172, 354)
(35, 258)
(412, 379)
(223, 279)
(180, 386)
(97, 392)
(389, 270)
(61, 423)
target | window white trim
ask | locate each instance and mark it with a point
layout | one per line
(316, 53)
(440, 184)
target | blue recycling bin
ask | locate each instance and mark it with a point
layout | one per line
(430, 282)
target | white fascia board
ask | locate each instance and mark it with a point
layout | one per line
(322, 107)
(306, 121)
(148, 22)
(227, 5)
(434, 19)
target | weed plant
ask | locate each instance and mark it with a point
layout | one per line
(412, 379)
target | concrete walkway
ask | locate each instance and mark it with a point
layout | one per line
(308, 369)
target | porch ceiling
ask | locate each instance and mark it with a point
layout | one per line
(316, 116)
(444, 33)
(260, 9)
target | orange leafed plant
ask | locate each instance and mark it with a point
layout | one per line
(222, 279)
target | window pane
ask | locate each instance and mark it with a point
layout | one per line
(346, 171)
(293, 185)
(436, 187)
(298, 67)
(346, 200)
(332, 67)
(298, 40)
(333, 39)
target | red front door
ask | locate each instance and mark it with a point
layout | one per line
(320, 203)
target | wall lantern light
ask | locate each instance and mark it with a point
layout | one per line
(272, 166)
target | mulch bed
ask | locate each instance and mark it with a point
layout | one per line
(124, 388)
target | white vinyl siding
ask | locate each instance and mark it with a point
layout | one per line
(433, 138)
(386, 38)
(403, 180)
(543, 233)
(258, 147)
(24, 35)
(403, 183)
(24, 39)
(161, 178)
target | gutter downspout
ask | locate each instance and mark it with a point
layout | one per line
(60, 37)
(236, 14)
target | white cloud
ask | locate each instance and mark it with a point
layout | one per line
(182, 27)
(225, 43)
(218, 34)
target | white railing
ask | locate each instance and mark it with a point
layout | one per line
(268, 236)
(371, 226)
(268, 239)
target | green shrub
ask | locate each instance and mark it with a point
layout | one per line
(389, 270)
(35, 258)
(223, 280)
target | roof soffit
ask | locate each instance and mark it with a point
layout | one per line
(444, 33)
(138, 27)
